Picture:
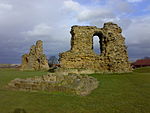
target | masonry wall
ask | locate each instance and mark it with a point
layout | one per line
(113, 57)
(35, 59)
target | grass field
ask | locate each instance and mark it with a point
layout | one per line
(117, 93)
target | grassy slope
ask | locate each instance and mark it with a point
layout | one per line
(117, 93)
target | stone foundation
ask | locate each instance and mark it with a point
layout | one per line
(71, 83)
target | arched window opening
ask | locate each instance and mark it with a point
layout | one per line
(96, 45)
(97, 42)
(26, 59)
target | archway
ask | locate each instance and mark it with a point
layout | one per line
(97, 43)
(26, 59)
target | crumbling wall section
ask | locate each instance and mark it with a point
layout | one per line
(35, 60)
(113, 57)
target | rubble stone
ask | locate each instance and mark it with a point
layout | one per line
(113, 56)
(35, 60)
(72, 83)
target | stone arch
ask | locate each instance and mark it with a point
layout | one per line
(98, 35)
(26, 59)
(96, 45)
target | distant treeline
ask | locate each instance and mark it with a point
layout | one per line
(9, 65)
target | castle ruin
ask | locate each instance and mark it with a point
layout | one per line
(35, 60)
(113, 56)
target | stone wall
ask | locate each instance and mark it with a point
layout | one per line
(113, 57)
(35, 60)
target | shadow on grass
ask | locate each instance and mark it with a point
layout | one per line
(19, 110)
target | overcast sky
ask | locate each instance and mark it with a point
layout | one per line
(23, 22)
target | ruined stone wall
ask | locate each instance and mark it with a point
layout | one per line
(35, 60)
(76, 84)
(113, 57)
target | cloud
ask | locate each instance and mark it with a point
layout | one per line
(110, 11)
(90, 15)
(135, 28)
(87, 14)
(147, 9)
(5, 7)
(28, 21)
(121, 7)
(138, 30)
(138, 37)
(40, 30)
(22, 23)
(132, 1)
(71, 5)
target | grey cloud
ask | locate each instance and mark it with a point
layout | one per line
(138, 30)
(22, 23)
(138, 37)
(121, 7)
(137, 51)
(22, 26)
(133, 1)
(91, 15)
(110, 11)
(40, 30)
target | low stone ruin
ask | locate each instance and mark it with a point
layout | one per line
(72, 83)
(113, 57)
(35, 60)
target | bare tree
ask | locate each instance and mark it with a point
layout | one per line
(146, 57)
(52, 60)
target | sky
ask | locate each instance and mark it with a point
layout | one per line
(23, 22)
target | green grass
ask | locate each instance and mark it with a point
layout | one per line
(117, 93)
(143, 70)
